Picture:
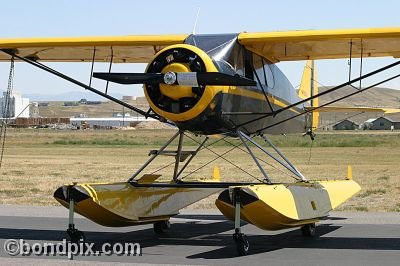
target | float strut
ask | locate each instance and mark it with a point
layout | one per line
(236, 202)
(178, 156)
(74, 234)
(242, 244)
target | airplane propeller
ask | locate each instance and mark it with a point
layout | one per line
(192, 79)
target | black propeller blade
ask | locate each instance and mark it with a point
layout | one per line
(131, 78)
(221, 79)
(193, 79)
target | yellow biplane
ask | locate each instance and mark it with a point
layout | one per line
(226, 84)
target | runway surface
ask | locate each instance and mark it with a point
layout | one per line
(205, 237)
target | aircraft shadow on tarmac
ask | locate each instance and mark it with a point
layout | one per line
(215, 233)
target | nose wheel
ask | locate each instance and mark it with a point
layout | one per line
(161, 227)
(242, 244)
(75, 235)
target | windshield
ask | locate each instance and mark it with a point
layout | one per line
(223, 49)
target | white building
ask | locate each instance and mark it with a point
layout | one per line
(34, 110)
(129, 98)
(118, 114)
(18, 106)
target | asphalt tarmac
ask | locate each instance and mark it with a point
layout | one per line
(205, 237)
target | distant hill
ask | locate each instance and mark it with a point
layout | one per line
(374, 97)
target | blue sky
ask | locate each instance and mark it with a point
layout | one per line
(49, 18)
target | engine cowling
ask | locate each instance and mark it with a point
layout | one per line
(180, 103)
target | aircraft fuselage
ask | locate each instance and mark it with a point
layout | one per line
(219, 109)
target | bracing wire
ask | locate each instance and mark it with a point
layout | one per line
(221, 156)
(170, 164)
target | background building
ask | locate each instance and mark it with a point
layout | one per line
(129, 98)
(345, 125)
(34, 110)
(382, 123)
(19, 106)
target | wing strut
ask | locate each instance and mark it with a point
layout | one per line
(361, 63)
(92, 67)
(109, 67)
(350, 58)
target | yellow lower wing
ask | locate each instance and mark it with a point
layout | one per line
(337, 109)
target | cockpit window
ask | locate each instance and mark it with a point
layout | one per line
(269, 76)
(231, 62)
(210, 43)
(258, 64)
(222, 48)
(238, 61)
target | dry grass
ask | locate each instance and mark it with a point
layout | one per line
(36, 162)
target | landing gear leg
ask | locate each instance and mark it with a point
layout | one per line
(308, 230)
(75, 235)
(242, 244)
(161, 226)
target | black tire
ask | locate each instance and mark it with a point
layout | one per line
(76, 236)
(161, 226)
(308, 230)
(242, 244)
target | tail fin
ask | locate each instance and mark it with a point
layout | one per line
(308, 88)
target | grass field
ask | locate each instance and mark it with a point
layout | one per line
(36, 162)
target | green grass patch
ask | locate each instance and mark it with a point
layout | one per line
(55, 174)
(12, 192)
(35, 190)
(157, 137)
(361, 208)
(396, 208)
(384, 178)
(331, 140)
(95, 142)
(16, 172)
(335, 140)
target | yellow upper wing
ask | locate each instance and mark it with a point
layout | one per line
(275, 46)
(125, 49)
(323, 44)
